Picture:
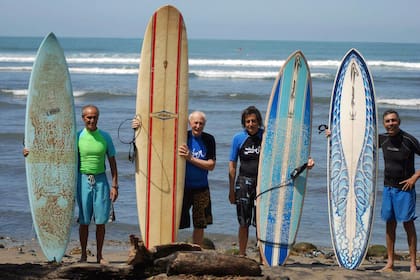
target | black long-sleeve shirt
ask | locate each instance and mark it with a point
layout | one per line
(398, 152)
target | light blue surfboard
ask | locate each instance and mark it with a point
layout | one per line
(352, 160)
(285, 146)
(50, 136)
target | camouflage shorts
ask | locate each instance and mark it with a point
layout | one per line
(199, 200)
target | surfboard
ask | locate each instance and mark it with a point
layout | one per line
(50, 136)
(162, 107)
(284, 148)
(352, 160)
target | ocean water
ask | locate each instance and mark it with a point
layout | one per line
(225, 77)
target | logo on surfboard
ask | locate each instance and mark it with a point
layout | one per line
(164, 115)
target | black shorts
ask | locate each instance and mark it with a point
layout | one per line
(199, 200)
(245, 192)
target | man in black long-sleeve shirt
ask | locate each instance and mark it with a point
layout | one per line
(399, 194)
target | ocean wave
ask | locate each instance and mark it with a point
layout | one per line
(15, 68)
(225, 96)
(76, 60)
(204, 62)
(312, 63)
(236, 62)
(104, 60)
(258, 63)
(24, 92)
(322, 76)
(16, 92)
(104, 71)
(17, 59)
(395, 64)
(80, 70)
(405, 103)
(219, 74)
(410, 103)
(214, 74)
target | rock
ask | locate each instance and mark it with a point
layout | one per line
(377, 251)
(232, 251)
(208, 244)
(78, 251)
(304, 247)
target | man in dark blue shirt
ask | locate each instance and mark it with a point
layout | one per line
(200, 155)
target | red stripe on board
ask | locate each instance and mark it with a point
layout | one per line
(178, 69)
(149, 152)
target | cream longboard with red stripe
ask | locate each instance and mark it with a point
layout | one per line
(162, 107)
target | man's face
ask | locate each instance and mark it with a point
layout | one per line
(90, 118)
(251, 124)
(197, 123)
(392, 124)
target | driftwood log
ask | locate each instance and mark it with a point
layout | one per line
(208, 263)
(140, 255)
(185, 258)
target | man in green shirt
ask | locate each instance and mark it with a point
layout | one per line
(94, 196)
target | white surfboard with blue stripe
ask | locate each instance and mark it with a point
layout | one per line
(352, 160)
(285, 146)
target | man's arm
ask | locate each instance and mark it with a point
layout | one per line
(410, 182)
(206, 164)
(114, 174)
(232, 176)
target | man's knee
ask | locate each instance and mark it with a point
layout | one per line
(409, 226)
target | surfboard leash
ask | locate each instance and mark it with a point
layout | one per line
(322, 128)
(132, 150)
(293, 175)
(271, 243)
(288, 182)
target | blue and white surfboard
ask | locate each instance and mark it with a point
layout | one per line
(352, 160)
(285, 146)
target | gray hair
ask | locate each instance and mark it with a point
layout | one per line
(89, 106)
(198, 113)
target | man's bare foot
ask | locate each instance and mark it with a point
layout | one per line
(387, 268)
(102, 261)
(83, 259)
(413, 268)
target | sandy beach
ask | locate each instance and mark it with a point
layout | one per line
(25, 260)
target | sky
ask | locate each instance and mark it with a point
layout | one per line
(302, 20)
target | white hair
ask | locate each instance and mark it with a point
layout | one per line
(198, 113)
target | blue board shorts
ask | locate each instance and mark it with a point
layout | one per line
(93, 198)
(398, 205)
